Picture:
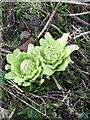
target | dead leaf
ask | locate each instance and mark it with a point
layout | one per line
(24, 46)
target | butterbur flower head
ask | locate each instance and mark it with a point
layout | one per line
(25, 67)
(50, 54)
(55, 54)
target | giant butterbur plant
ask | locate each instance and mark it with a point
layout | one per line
(28, 67)
(55, 54)
(24, 67)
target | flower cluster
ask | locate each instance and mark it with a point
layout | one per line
(28, 67)
(25, 68)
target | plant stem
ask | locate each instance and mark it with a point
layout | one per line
(57, 84)
(48, 22)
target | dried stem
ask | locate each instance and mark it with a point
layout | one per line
(48, 22)
(22, 93)
(72, 2)
(78, 14)
(66, 96)
(57, 84)
(11, 114)
(78, 19)
(57, 28)
(81, 34)
(23, 101)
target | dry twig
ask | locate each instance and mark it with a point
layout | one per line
(78, 14)
(81, 34)
(78, 19)
(11, 114)
(66, 96)
(57, 28)
(23, 101)
(79, 31)
(72, 2)
(21, 92)
(48, 22)
(57, 84)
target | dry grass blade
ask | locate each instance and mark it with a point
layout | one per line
(73, 2)
(57, 84)
(4, 88)
(81, 34)
(66, 96)
(50, 19)
(22, 93)
(78, 14)
(78, 19)
(11, 114)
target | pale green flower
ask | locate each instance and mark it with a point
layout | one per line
(55, 54)
(24, 67)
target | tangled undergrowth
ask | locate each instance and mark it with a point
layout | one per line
(63, 94)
